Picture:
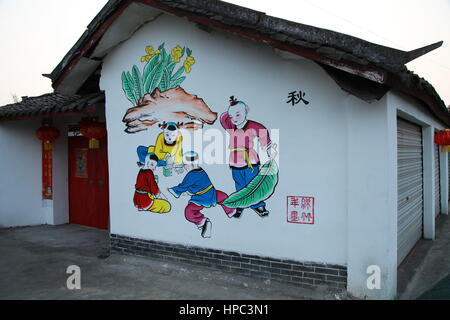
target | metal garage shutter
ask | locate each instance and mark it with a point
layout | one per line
(410, 187)
(437, 182)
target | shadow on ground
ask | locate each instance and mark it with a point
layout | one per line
(428, 266)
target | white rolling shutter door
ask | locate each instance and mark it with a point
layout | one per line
(410, 187)
(437, 182)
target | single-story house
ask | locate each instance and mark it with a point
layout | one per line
(234, 140)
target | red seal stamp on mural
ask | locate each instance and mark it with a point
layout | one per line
(300, 209)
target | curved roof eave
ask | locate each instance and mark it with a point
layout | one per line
(371, 61)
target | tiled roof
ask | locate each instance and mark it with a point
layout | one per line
(48, 104)
(340, 48)
(381, 64)
(332, 44)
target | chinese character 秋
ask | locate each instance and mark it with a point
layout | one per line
(295, 98)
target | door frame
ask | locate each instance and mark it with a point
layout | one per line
(105, 184)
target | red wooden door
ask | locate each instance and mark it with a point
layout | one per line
(88, 183)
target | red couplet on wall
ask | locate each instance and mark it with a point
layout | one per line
(47, 167)
(47, 134)
(88, 183)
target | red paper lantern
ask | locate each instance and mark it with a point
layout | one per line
(442, 138)
(47, 135)
(93, 130)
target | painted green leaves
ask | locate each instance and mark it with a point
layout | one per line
(128, 88)
(149, 68)
(137, 81)
(177, 82)
(157, 73)
(259, 189)
(154, 77)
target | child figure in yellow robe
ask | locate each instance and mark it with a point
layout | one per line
(169, 148)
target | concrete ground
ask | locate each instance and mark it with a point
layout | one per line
(34, 261)
(427, 269)
(441, 291)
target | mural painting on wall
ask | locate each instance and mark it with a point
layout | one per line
(253, 185)
(158, 99)
(203, 194)
(147, 196)
(156, 93)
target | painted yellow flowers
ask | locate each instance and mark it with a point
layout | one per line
(150, 53)
(161, 70)
(190, 61)
(177, 53)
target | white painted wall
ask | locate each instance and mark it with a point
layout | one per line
(312, 145)
(372, 187)
(21, 201)
(443, 162)
(410, 109)
(60, 214)
(372, 196)
(21, 174)
(429, 227)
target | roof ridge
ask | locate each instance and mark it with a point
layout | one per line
(46, 104)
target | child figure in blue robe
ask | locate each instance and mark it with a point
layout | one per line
(203, 194)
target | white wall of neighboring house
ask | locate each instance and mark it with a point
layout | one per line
(21, 202)
(312, 145)
(60, 203)
(21, 179)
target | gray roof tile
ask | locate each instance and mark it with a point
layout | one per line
(48, 103)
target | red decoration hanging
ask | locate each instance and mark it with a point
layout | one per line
(47, 134)
(93, 130)
(442, 138)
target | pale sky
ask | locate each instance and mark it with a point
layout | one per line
(36, 34)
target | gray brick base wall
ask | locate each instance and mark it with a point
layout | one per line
(305, 274)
